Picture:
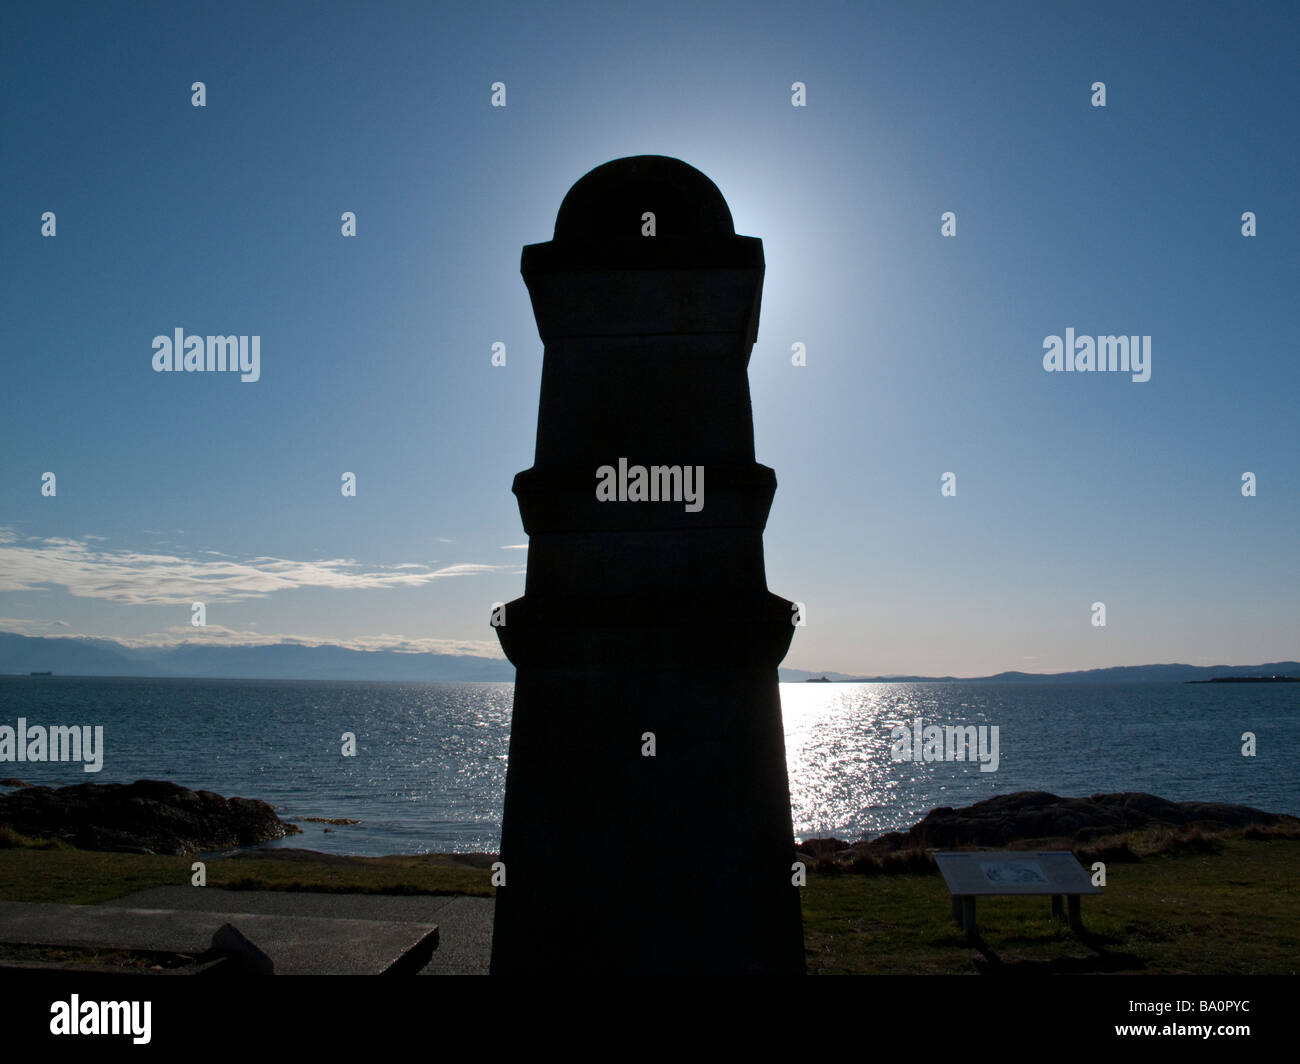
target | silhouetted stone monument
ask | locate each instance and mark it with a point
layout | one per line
(646, 625)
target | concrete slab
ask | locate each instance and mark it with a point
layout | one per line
(296, 945)
(464, 923)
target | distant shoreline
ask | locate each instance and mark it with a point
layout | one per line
(1119, 674)
(87, 657)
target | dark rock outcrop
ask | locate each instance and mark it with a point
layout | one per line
(1027, 816)
(148, 816)
(821, 848)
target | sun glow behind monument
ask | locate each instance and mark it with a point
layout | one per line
(846, 193)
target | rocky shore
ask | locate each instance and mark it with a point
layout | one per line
(154, 816)
(147, 816)
(1040, 820)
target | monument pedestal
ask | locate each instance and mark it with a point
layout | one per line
(647, 818)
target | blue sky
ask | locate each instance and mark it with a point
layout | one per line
(924, 353)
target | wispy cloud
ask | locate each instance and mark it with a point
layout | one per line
(515, 546)
(30, 626)
(146, 578)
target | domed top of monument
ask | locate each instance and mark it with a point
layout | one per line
(609, 202)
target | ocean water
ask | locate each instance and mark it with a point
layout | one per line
(430, 769)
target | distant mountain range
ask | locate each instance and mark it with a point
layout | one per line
(72, 656)
(1115, 674)
(275, 661)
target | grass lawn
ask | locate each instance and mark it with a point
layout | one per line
(86, 877)
(1233, 908)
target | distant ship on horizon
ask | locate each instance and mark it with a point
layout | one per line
(818, 679)
(40, 674)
